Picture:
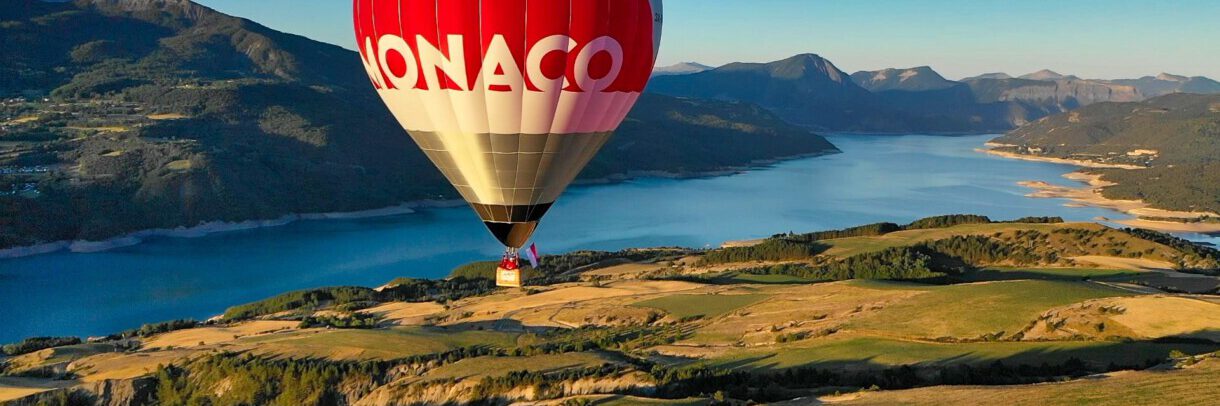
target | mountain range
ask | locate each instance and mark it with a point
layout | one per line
(810, 90)
(165, 113)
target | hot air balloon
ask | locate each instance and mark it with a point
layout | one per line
(509, 98)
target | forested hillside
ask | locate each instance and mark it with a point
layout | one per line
(1176, 137)
(121, 115)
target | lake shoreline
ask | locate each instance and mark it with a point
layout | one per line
(874, 179)
(1091, 195)
(216, 227)
(1063, 161)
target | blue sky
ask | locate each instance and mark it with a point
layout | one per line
(1090, 38)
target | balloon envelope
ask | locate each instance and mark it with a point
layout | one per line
(509, 98)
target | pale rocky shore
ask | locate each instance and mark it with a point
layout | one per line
(1035, 158)
(1091, 195)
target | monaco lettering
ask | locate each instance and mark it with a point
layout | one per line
(392, 62)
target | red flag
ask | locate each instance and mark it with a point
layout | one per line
(532, 254)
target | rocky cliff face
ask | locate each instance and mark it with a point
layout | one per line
(406, 392)
(1163, 84)
(125, 392)
(1072, 93)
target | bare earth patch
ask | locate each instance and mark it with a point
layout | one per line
(624, 271)
(127, 365)
(1130, 264)
(180, 165)
(202, 336)
(171, 116)
(405, 314)
(1166, 316)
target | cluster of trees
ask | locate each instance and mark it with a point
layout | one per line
(1180, 244)
(878, 229)
(1197, 257)
(1038, 220)
(301, 299)
(898, 263)
(150, 329)
(352, 321)
(257, 381)
(41, 343)
(925, 261)
(348, 298)
(869, 230)
(947, 221)
(769, 250)
(978, 250)
(437, 290)
(29, 345)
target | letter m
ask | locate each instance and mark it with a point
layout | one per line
(373, 67)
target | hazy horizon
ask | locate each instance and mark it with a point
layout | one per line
(957, 38)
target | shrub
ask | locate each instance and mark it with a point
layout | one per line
(29, 345)
(947, 221)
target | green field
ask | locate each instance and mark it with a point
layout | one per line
(846, 247)
(766, 279)
(972, 310)
(1054, 274)
(872, 352)
(708, 306)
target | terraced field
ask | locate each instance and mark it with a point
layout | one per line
(681, 331)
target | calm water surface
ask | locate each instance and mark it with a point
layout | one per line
(876, 178)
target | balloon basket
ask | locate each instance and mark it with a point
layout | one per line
(508, 278)
(508, 274)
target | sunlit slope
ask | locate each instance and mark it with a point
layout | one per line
(967, 301)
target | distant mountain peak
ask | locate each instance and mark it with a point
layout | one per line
(1171, 77)
(802, 65)
(1045, 74)
(681, 68)
(1166, 83)
(993, 75)
(919, 78)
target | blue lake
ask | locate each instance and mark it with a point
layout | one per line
(876, 178)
